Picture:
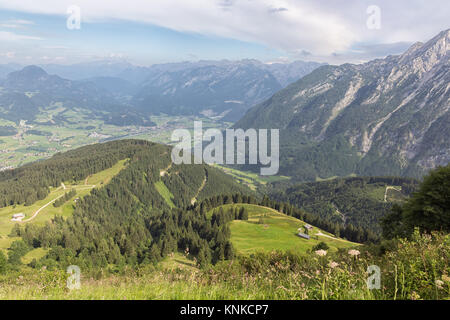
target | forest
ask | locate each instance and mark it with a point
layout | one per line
(130, 222)
(356, 201)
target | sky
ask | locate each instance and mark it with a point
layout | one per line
(146, 32)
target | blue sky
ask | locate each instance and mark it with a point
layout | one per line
(158, 31)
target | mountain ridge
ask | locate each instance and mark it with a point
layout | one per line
(221, 89)
(389, 114)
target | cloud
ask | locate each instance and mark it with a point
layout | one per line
(11, 36)
(9, 55)
(300, 26)
(9, 25)
(15, 24)
(275, 10)
(324, 29)
(21, 21)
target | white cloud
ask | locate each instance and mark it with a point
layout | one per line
(15, 24)
(11, 36)
(9, 55)
(9, 25)
(281, 24)
(319, 28)
(21, 22)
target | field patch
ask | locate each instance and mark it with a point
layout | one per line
(165, 193)
(268, 230)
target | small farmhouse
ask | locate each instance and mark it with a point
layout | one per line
(303, 235)
(18, 217)
(308, 227)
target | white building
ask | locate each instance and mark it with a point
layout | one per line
(18, 217)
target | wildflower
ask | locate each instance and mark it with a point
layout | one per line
(415, 296)
(439, 284)
(321, 252)
(333, 264)
(354, 253)
(445, 278)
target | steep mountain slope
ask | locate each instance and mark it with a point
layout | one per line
(385, 117)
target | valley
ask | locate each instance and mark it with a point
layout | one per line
(42, 138)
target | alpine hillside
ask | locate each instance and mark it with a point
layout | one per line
(384, 117)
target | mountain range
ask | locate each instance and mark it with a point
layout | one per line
(30, 91)
(223, 89)
(384, 117)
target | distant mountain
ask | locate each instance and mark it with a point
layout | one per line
(287, 73)
(224, 89)
(217, 89)
(5, 69)
(118, 87)
(27, 92)
(85, 70)
(211, 90)
(384, 117)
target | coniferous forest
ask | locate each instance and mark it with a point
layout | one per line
(131, 223)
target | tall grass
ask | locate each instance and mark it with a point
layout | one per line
(416, 269)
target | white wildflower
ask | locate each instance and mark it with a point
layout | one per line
(321, 252)
(333, 264)
(354, 253)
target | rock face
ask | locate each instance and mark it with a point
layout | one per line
(388, 116)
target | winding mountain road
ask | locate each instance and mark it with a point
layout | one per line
(49, 203)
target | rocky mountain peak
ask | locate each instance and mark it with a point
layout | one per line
(429, 54)
(384, 117)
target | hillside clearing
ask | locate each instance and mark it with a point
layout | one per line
(267, 230)
(42, 210)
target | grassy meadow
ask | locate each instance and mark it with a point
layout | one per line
(267, 230)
